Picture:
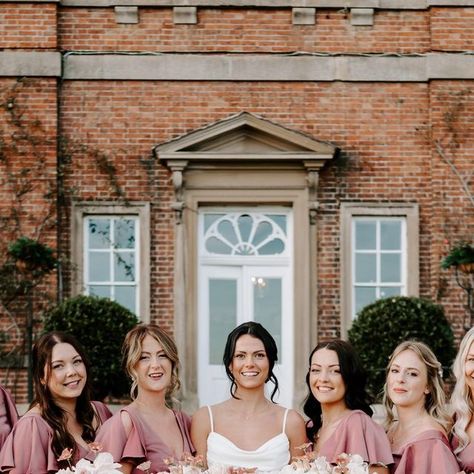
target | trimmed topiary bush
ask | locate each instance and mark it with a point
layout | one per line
(100, 325)
(382, 325)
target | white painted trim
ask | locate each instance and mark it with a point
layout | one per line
(350, 210)
(140, 209)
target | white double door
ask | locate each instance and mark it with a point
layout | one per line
(230, 295)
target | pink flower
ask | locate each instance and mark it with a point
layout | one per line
(95, 447)
(144, 466)
(66, 455)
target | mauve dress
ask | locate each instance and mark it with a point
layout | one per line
(142, 443)
(8, 414)
(27, 450)
(358, 434)
(466, 456)
(427, 453)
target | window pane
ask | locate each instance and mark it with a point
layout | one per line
(365, 268)
(100, 291)
(365, 235)
(245, 226)
(126, 296)
(274, 247)
(390, 270)
(390, 235)
(386, 291)
(214, 245)
(227, 231)
(124, 266)
(124, 234)
(209, 219)
(222, 316)
(99, 266)
(363, 297)
(263, 231)
(267, 306)
(280, 219)
(99, 233)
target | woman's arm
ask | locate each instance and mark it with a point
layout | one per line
(378, 470)
(296, 432)
(200, 429)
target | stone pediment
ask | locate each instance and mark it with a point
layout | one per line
(244, 138)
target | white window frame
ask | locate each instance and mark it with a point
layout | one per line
(140, 211)
(410, 250)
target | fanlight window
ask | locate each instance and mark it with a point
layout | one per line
(245, 234)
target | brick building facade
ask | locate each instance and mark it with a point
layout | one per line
(313, 122)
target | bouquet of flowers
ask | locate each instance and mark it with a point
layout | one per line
(102, 464)
(345, 464)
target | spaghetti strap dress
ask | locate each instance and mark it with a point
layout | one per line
(270, 457)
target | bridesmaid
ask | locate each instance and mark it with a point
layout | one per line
(148, 429)
(462, 403)
(61, 415)
(338, 411)
(415, 388)
(8, 414)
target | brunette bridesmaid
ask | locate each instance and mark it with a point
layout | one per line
(418, 434)
(148, 429)
(8, 414)
(338, 409)
(462, 403)
(61, 415)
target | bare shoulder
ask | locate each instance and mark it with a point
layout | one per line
(126, 421)
(201, 418)
(294, 419)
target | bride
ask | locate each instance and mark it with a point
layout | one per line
(248, 430)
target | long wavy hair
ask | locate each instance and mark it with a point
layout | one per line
(53, 414)
(435, 400)
(132, 349)
(258, 331)
(354, 377)
(462, 403)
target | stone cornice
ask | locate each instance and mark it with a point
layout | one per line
(379, 4)
(226, 67)
(238, 67)
(30, 63)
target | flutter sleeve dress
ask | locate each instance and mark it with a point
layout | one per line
(358, 434)
(142, 443)
(27, 450)
(465, 457)
(427, 453)
(8, 415)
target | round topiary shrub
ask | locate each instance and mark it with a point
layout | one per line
(381, 326)
(100, 325)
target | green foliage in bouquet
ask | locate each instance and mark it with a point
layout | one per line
(100, 325)
(382, 325)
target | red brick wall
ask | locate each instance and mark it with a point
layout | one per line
(451, 29)
(385, 130)
(242, 30)
(28, 26)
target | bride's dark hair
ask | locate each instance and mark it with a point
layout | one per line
(54, 415)
(258, 331)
